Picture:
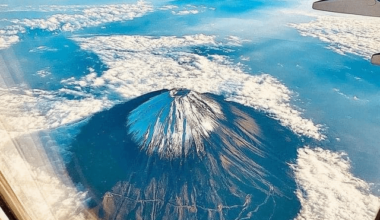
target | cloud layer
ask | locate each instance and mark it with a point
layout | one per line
(344, 34)
(328, 190)
(80, 17)
(89, 17)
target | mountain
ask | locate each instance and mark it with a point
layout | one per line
(179, 154)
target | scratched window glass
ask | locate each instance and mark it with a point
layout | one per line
(189, 109)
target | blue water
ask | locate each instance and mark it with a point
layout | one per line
(62, 59)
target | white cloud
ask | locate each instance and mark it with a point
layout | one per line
(138, 65)
(344, 34)
(55, 8)
(44, 8)
(43, 73)
(185, 12)
(168, 7)
(235, 40)
(33, 110)
(42, 49)
(6, 41)
(2, 214)
(89, 17)
(327, 189)
(78, 18)
(8, 35)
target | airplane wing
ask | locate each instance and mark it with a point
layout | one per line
(357, 7)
